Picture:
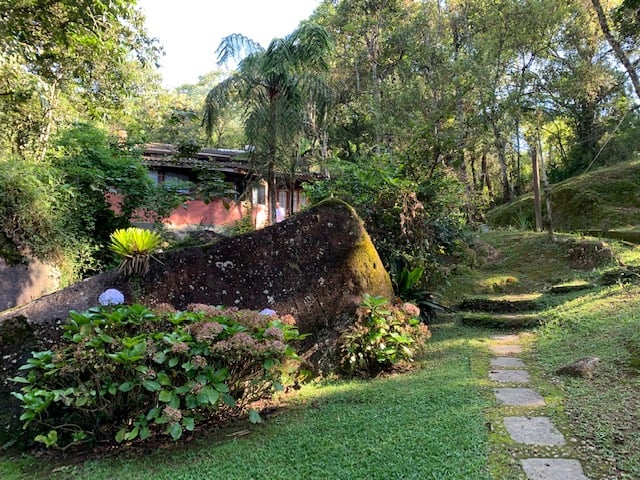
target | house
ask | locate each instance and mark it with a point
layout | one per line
(247, 194)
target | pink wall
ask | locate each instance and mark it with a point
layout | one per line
(193, 212)
(196, 212)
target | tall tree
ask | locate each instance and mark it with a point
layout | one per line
(87, 50)
(274, 86)
(616, 45)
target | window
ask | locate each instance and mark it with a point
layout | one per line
(260, 195)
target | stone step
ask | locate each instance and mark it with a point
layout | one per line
(570, 287)
(505, 350)
(553, 469)
(500, 320)
(533, 431)
(501, 304)
(509, 376)
(507, 362)
(521, 397)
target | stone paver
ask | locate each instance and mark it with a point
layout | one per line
(533, 431)
(507, 362)
(509, 376)
(553, 469)
(519, 397)
(505, 350)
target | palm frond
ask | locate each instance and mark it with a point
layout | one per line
(217, 99)
(235, 47)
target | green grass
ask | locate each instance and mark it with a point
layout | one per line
(604, 411)
(603, 199)
(425, 424)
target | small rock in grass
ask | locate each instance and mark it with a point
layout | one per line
(583, 367)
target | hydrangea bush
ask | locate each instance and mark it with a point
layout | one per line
(381, 336)
(129, 372)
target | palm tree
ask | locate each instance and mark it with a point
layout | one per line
(274, 87)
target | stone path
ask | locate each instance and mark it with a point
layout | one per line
(508, 371)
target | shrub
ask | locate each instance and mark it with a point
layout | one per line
(413, 219)
(406, 285)
(127, 372)
(381, 336)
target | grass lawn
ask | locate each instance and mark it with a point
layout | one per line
(425, 424)
(604, 411)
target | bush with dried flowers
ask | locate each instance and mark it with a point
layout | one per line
(381, 336)
(129, 372)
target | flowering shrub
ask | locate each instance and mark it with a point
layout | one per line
(128, 372)
(111, 296)
(381, 336)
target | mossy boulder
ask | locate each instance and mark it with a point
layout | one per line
(315, 265)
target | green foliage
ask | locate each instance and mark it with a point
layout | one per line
(36, 217)
(412, 219)
(128, 372)
(84, 57)
(135, 246)
(242, 226)
(407, 286)
(332, 429)
(602, 199)
(382, 335)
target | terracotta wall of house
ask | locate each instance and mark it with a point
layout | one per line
(196, 212)
(193, 212)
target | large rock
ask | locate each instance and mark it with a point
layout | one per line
(315, 265)
(22, 282)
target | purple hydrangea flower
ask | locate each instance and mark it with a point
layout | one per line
(111, 296)
(267, 311)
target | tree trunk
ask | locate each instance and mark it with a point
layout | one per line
(485, 172)
(507, 192)
(273, 195)
(546, 192)
(617, 48)
(536, 187)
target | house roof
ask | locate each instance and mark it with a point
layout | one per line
(220, 159)
(226, 160)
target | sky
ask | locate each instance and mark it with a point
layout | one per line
(191, 30)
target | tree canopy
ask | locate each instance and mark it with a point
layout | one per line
(412, 100)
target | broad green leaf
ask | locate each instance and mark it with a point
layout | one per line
(163, 378)
(132, 434)
(151, 385)
(254, 416)
(189, 423)
(126, 386)
(165, 396)
(175, 430)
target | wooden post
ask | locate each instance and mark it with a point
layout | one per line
(536, 186)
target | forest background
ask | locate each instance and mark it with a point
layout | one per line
(421, 114)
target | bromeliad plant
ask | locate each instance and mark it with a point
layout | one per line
(135, 246)
(406, 284)
(381, 336)
(127, 372)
